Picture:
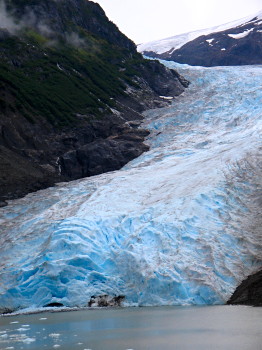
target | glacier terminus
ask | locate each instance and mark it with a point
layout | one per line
(180, 225)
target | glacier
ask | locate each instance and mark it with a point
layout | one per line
(180, 225)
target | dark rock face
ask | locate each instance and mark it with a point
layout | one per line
(241, 45)
(249, 292)
(35, 156)
(106, 301)
(159, 79)
(103, 155)
(72, 89)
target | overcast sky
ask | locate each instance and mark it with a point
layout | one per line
(147, 20)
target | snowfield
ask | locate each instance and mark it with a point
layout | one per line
(179, 225)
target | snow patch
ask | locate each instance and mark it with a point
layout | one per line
(59, 67)
(115, 112)
(240, 35)
(210, 41)
(167, 97)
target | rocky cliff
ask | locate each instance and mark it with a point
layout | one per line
(72, 89)
(249, 292)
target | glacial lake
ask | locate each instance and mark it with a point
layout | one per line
(147, 328)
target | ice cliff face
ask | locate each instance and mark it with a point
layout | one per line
(181, 224)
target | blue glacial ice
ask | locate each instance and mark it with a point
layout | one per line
(179, 225)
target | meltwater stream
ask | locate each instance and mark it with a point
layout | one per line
(179, 225)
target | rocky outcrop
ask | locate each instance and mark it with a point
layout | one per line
(72, 90)
(249, 292)
(103, 155)
(34, 156)
(106, 301)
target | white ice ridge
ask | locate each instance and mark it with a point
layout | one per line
(181, 224)
(175, 42)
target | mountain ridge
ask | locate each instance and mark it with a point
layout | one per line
(234, 43)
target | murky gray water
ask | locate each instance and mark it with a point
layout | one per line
(213, 327)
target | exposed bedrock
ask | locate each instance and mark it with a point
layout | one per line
(103, 155)
(249, 292)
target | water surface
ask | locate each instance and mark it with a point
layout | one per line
(179, 328)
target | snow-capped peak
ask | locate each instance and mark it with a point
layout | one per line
(177, 41)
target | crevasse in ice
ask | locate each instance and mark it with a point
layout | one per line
(181, 224)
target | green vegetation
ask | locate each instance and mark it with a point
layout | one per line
(73, 61)
(57, 80)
